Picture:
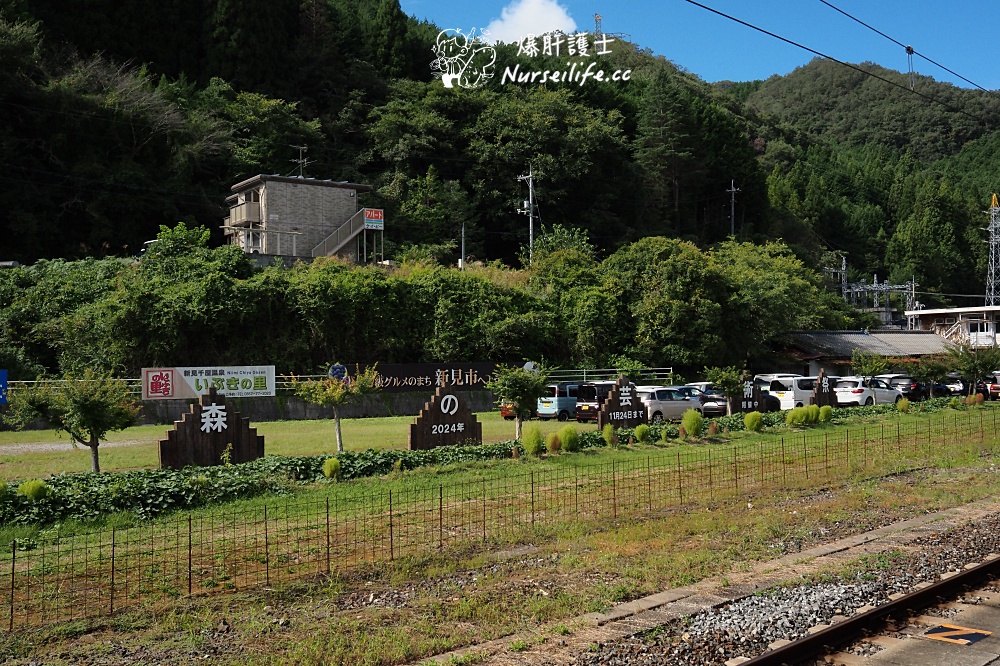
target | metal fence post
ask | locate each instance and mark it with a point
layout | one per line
(532, 500)
(614, 492)
(328, 571)
(784, 464)
(805, 456)
(680, 482)
(13, 560)
(111, 603)
(711, 481)
(440, 516)
(267, 556)
(190, 558)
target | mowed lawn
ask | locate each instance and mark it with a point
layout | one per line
(40, 453)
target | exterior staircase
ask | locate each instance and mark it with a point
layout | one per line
(341, 236)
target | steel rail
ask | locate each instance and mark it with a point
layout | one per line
(859, 626)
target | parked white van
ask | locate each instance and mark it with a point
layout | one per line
(795, 391)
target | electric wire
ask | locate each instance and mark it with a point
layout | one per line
(909, 49)
(843, 63)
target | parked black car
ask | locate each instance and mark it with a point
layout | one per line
(911, 389)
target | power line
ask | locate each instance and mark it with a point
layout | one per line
(841, 62)
(909, 49)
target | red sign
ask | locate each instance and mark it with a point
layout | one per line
(374, 218)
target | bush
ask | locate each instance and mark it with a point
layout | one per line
(570, 438)
(825, 414)
(642, 433)
(692, 422)
(955, 403)
(331, 468)
(608, 433)
(532, 442)
(552, 442)
(796, 416)
(753, 421)
(34, 489)
(812, 414)
(903, 405)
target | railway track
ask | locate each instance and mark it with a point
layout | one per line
(869, 620)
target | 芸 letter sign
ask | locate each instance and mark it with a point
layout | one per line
(443, 421)
(622, 408)
(374, 219)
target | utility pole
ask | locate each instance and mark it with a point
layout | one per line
(732, 207)
(993, 271)
(529, 210)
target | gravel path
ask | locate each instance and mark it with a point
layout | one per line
(747, 626)
(64, 445)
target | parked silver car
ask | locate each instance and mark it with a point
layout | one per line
(667, 403)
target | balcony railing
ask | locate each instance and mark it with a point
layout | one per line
(245, 213)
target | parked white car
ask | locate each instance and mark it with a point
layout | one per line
(861, 391)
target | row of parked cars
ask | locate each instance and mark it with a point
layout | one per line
(582, 400)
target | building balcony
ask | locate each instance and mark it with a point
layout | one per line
(244, 214)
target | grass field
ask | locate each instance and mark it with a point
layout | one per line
(41, 453)
(400, 612)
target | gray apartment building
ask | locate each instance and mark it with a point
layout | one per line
(295, 217)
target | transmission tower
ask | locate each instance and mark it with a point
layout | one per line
(993, 270)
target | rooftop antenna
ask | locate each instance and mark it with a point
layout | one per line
(302, 161)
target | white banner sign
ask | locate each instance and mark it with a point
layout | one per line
(241, 381)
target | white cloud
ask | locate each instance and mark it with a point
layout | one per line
(535, 17)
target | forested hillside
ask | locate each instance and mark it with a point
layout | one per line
(116, 122)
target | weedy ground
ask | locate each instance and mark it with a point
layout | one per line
(408, 610)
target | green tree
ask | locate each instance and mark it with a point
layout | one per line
(973, 363)
(522, 387)
(928, 370)
(335, 393)
(728, 381)
(86, 407)
(868, 364)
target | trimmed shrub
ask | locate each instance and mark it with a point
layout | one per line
(753, 421)
(552, 442)
(955, 403)
(570, 438)
(713, 429)
(34, 489)
(608, 433)
(812, 413)
(980, 399)
(692, 422)
(642, 433)
(825, 414)
(796, 416)
(532, 441)
(903, 406)
(331, 468)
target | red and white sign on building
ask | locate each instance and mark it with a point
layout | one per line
(374, 219)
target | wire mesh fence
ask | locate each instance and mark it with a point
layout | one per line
(90, 575)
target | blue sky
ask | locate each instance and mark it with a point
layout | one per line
(954, 33)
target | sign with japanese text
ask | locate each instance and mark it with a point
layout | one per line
(3, 387)
(751, 400)
(211, 433)
(445, 420)
(824, 394)
(243, 381)
(400, 377)
(622, 408)
(374, 219)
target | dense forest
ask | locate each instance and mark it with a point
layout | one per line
(116, 122)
